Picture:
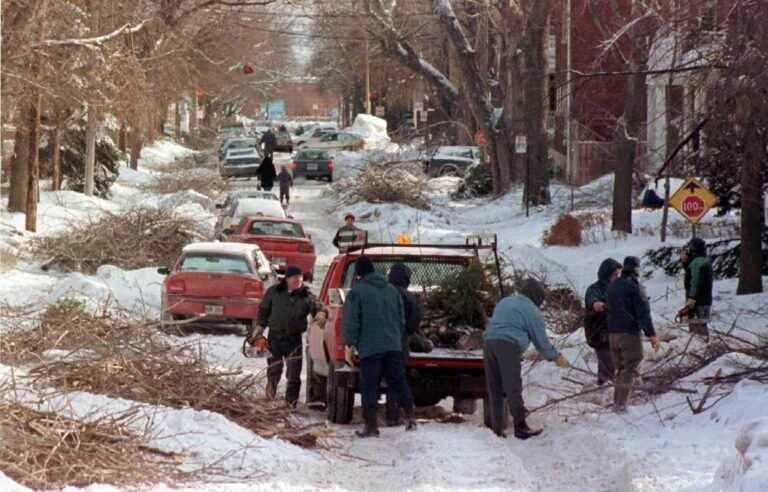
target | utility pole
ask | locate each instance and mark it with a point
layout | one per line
(568, 92)
(367, 76)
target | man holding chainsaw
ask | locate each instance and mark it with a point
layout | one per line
(284, 310)
(698, 287)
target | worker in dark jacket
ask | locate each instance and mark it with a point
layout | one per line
(286, 182)
(400, 277)
(268, 143)
(596, 318)
(516, 322)
(266, 173)
(345, 232)
(284, 310)
(629, 313)
(374, 323)
(699, 280)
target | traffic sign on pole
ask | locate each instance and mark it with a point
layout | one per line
(693, 200)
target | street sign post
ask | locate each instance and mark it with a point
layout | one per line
(693, 200)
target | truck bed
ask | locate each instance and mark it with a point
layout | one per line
(447, 358)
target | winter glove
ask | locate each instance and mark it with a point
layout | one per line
(655, 343)
(686, 313)
(349, 355)
(562, 362)
(257, 333)
(599, 307)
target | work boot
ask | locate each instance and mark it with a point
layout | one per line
(620, 397)
(522, 431)
(271, 391)
(410, 419)
(392, 417)
(371, 427)
(292, 405)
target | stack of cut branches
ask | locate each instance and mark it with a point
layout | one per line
(45, 450)
(137, 238)
(206, 183)
(391, 182)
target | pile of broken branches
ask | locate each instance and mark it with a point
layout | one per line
(390, 182)
(206, 183)
(134, 239)
(45, 450)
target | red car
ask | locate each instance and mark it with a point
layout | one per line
(283, 241)
(218, 282)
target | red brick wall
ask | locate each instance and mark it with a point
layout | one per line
(299, 97)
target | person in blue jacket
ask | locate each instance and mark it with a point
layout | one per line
(374, 323)
(516, 323)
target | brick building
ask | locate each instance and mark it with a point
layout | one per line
(296, 99)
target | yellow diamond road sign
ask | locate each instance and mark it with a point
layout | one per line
(693, 200)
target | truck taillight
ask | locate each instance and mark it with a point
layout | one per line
(253, 289)
(330, 165)
(339, 350)
(306, 248)
(176, 287)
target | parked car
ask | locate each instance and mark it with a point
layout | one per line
(240, 163)
(451, 160)
(283, 241)
(241, 208)
(336, 141)
(266, 195)
(217, 282)
(236, 143)
(313, 164)
(434, 375)
(284, 142)
(313, 135)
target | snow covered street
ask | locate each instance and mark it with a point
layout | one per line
(657, 446)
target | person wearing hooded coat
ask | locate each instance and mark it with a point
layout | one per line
(699, 280)
(374, 323)
(400, 277)
(516, 323)
(268, 142)
(267, 173)
(596, 318)
(629, 313)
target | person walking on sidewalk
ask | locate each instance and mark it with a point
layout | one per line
(286, 182)
(374, 323)
(596, 318)
(516, 322)
(699, 281)
(629, 313)
(400, 277)
(284, 310)
(268, 143)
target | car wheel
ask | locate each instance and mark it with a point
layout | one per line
(449, 171)
(487, 413)
(316, 385)
(465, 406)
(339, 400)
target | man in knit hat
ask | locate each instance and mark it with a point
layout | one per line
(374, 323)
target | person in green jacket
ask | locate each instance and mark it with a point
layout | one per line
(374, 323)
(698, 285)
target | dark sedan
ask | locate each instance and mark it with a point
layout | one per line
(451, 160)
(240, 163)
(313, 164)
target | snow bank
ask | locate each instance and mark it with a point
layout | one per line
(186, 197)
(136, 291)
(8, 485)
(163, 152)
(372, 129)
(132, 177)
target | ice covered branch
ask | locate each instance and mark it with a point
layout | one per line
(94, 41)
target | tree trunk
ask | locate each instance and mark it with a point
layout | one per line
(122, 138)
(177, 121)
(56, 159)
(136, 144)
(33, 178)
(752, 220)
(90, 151)
(17, 193)
(193, 115)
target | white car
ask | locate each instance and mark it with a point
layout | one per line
(313, 134)
(240, 208)
(336, 141)
(240, 194)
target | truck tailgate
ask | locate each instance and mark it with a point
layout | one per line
(447, 358)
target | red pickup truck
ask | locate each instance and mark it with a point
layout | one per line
(283, 241)
(433, 376)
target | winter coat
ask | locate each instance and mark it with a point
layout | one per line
(285, 179)
(628, 307)
(269, 140)
(285, 313)
(699, 274)
(374, 317)
(517, 319)
(595, 323)
(267, 174)
(400, 278)
(342, 229)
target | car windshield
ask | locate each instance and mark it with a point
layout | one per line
(329, 137)
(456, 152)
(426, 272)
(312, 155)
(271, 228)
(259, 206)
(241, 152)
(257, 194)
(214, 263)
(242, 143)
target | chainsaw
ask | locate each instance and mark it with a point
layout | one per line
(256, 347)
